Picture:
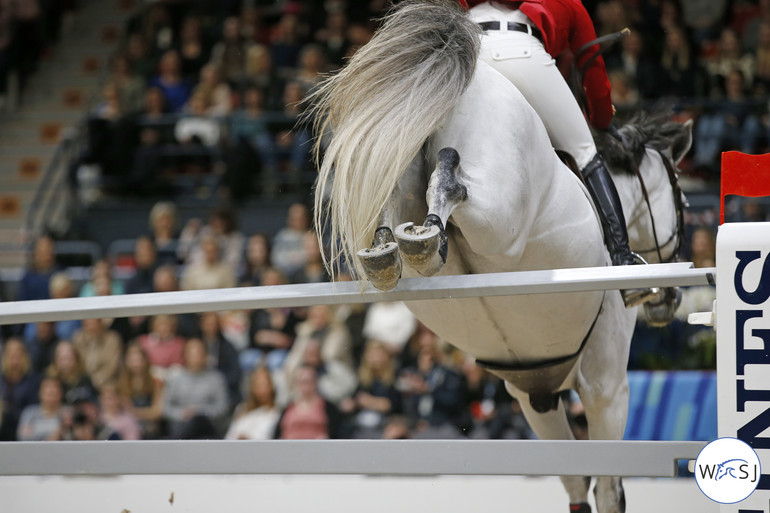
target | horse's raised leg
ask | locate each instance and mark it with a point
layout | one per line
(425, 247)
(381, 262)
(660, 309)
(553, 425)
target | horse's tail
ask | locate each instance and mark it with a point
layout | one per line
(380, 109)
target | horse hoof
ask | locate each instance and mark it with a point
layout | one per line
(419, 246)
(382, 265)
(660, 310)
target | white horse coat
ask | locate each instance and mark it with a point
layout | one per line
(409, 106)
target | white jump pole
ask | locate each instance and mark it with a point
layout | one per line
(414, 289)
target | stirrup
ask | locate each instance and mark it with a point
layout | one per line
(636, 297)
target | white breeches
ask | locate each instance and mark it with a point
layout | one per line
(522, 59)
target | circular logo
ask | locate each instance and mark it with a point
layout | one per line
(727, 470)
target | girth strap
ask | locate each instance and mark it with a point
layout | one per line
(541, 379)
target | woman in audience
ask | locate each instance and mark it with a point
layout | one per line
(309, 415)
(377, 396)
(210, 273)
(176, 89)
(256, 417)
(144, 392)
(164, 348)
(257, 259)
(67, 367)
(100, 350)
(115, 414)
(195, 401)
(19, 386)
(43, 421)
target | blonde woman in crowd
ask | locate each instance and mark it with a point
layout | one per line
(255, 418)
(144, 392)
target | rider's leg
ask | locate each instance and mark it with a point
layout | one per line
(523, 60)
(605, 196)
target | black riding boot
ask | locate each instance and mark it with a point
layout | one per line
(605, 195)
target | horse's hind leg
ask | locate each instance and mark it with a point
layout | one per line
(425, 247)
(553, 425)
(381, 262)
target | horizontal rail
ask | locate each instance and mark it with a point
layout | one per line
(410, 289)
(369, 457)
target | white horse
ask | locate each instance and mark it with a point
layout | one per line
(422, 130)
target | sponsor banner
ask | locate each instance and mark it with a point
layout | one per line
(743, 373)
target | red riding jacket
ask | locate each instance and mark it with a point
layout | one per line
(566, 25)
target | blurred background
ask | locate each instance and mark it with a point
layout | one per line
(160, 145)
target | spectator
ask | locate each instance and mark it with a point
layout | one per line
(164, 348)
(321, 325)
(257, 259)
(261, 74)
(139, 57)
(434, 395)
(288, 253)
(271, 331)
(110, 109)
(762, 61)
(195, 126)
(42, 345)
(144, 392)
(296, 140)
(336, 381)
(195, 401)
(34, 283)
(230, 53)
(333, 37)
(730, 57)
(170, 81)
(314, 270)
(129, 85)
(165, 280)
(286, 40)
(115, 414)
(193, 53)
(681, 75)
(146, 262)
(102, 270)
(100, 350)
(309, 415)
(252, 144)
(221, 355)
(733, 125)
(68, 368)
(60, 287)
(376, 398)
(86, 426)
(222, 225)
(256, 417)
(19, 386)
(215, 93)
(43, 421)
(212, 272)
(636, 62)
(163, 223)
(312, 66)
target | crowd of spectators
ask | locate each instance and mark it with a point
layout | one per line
(361, 371)
(200, 90)
(205, 95)
(706, 60)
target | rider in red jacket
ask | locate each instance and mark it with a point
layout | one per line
(521, 41)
